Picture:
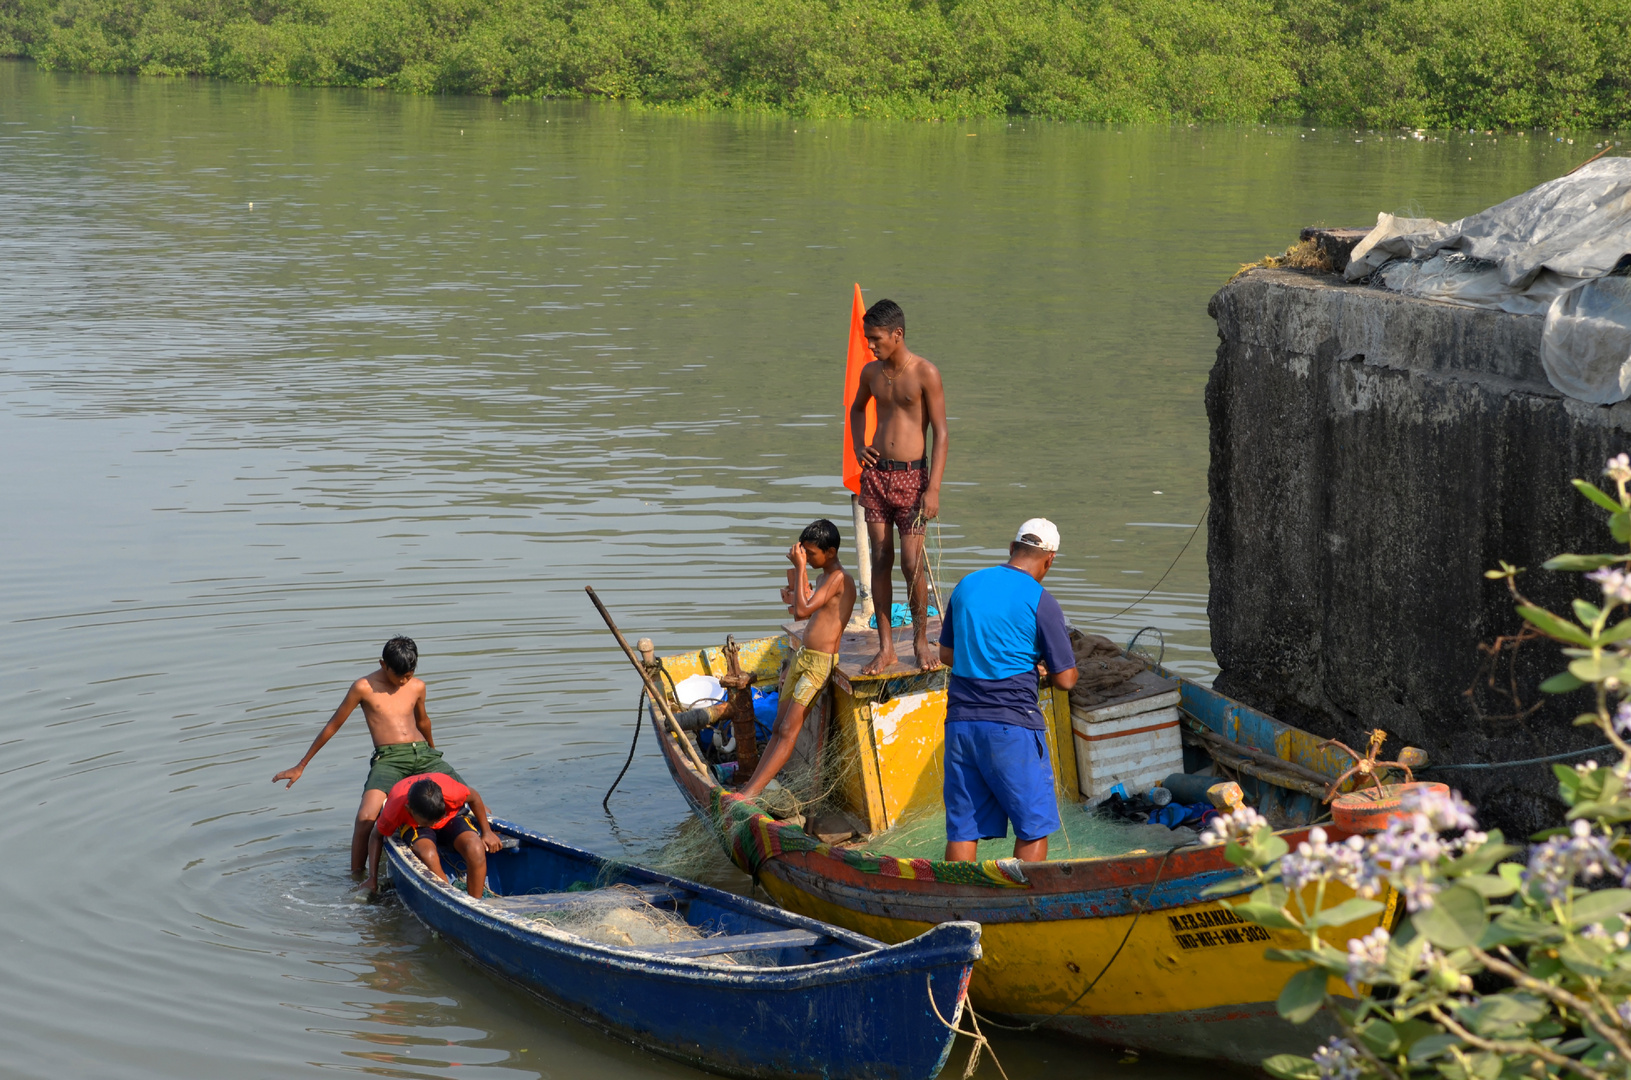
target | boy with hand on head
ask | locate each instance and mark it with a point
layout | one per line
(828, 606)
(430, 811)
(393, 704)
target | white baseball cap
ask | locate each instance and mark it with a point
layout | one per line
(1043, 534)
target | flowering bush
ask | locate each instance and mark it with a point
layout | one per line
(1501, 968)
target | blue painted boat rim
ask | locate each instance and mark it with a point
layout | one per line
(959, 945)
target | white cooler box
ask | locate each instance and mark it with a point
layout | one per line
(1132, 740)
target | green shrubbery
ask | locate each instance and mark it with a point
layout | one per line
(1484, 63)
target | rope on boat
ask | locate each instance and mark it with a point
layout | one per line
(639, 722)
(1526, 761)
(982, 1044)
(1174, 565)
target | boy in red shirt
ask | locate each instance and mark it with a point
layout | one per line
(430, 810)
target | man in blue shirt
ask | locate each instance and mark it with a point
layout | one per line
(999, 623)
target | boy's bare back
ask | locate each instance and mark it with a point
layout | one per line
(835, 591)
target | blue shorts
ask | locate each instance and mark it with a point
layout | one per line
(995, 773)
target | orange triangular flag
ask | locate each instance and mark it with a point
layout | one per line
(860, 355)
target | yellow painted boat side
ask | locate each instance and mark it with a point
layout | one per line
(1177, 960)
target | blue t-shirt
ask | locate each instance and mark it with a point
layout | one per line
(999, 622)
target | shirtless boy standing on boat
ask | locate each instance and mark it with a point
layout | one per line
(828, 607)
(900, 479)
(393, 704)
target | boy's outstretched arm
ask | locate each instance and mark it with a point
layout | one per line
(352, 696)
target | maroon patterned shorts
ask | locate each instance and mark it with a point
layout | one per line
(895, 496)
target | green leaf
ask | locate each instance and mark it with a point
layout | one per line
(1552, 626)
(1498, 1011)
(1597, 495)
(1594, 907)
(1584, 958)
(1380, 1036)
(1581, 563)
(1230, 887)
(1563, 682)
(1618, 632)
(1344, 913)
(1587, 612)
(1455, 921)
(1481, 858)
(1263, 914)
(1291, 1067)
(1591, 669)
(1619, 526)
(1303, 995)
(1568, 781)
(1430, 1047)
(1489, 886)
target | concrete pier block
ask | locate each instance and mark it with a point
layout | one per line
(1371, 456)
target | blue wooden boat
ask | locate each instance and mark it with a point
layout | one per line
(764, 993)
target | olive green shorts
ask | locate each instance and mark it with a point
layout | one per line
(398, 761)
(807, 674)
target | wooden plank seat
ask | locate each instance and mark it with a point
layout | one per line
(526, 904)
(730, 943)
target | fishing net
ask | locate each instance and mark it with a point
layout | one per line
(1083, 835)
(618, 916)
(1103, 671)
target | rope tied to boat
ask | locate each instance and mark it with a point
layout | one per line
(1138, 913)
(982, 1043)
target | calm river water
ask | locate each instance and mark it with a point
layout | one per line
(285, 372)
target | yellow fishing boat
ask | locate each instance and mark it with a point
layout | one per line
(1120, 948)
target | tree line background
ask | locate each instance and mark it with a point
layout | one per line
(1371, 63)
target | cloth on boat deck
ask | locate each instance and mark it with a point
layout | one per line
(397, 761)
(806, 675)
(894, 496)
(901, 615)
(752, 838)
(1547, 251)
(1102, 671)
(996, 772)
(394, 814)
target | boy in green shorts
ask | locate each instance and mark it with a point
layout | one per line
(393, 704)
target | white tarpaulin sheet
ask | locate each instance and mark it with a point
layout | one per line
(1547, 251)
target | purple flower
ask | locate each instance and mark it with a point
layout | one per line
(1622, 722)
(1583, 853)
(1618, 468)
(1337, 1060)
(1616, 585)
(1317, 859)
(1237, 826)
(1444, 811)
(1367, 956)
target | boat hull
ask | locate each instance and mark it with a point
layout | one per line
(863, 1015)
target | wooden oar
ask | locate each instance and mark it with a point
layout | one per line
(658, 698)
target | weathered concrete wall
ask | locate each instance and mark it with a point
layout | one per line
(1372, 456)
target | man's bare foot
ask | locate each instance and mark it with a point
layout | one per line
(886, 657)
(928, 656)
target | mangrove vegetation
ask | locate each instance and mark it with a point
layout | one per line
(1371, 63)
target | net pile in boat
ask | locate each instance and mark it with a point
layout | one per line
(618, 916)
